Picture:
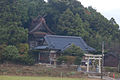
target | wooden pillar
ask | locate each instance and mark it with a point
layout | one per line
(39, 57)
(93, 63)
(50, 58)
(88, 65)
(99, 65)
(55, 60)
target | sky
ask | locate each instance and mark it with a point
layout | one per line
(108, 8)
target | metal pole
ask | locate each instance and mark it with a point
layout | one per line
(102, 60)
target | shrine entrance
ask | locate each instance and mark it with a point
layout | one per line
(93, 61)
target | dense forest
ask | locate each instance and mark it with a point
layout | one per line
(64, 17)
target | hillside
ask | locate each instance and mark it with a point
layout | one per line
(64, 17)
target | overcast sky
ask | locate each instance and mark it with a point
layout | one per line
(109, 8)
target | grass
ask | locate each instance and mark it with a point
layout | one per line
(36, 78)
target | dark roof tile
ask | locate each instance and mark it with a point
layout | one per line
(61, 42)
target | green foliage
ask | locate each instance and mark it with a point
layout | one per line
(70, 60)
(26, 59)
(2, 49)
(78, 60)
(66, 22)
(36, 78)
(74, 50)
(76, 20)
(66, 59)
(61, 59)
(72, 55)
(11, 18)
(13, 35)
(10, 53)
(110, 69)
(64, 17)
(23, 48)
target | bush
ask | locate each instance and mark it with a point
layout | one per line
(23, 48)
(11, 53)
(70, 59)
(66, 59)
(78, 60)
(62, 59)
(26, 59)
(74, 54)
(110, 69)
(73, 50)
(2, 48)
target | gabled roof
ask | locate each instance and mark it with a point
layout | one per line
(62, 42)
(39, 23)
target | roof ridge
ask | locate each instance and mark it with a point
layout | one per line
(64, 36)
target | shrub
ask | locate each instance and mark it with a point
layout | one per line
(66, 59)
(26, 59)
(110, 69)
(74, 54)
(2, 48)
(62, 59)
(73, 50)
(11, 53)
(78, 60)
(70, 59)
(23, 48)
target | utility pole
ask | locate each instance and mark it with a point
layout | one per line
(119, 63)
(102, 60)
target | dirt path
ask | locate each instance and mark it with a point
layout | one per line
(93, 79)
(104, 77)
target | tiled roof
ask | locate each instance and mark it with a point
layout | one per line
(62, 42)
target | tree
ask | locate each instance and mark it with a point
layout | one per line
(81, 27)
(13, 35)
(2, 49)
(23, 48)
(10, 53)
(75, 51)
(66, 23)
(64, 17)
